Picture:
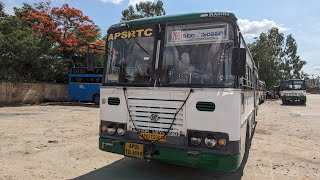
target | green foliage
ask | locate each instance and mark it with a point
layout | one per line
(277, 57)
(304, 75)
(142, 10)
(26, 57)
(2, 13)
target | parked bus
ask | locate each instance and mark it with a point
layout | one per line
(262, 91)
(293, 90)
(84, 85)
(179, 89)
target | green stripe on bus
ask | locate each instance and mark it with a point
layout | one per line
(215, 162)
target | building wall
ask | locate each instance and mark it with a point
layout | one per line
(56, 92)
(31, 93)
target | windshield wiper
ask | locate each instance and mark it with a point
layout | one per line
(137, 42)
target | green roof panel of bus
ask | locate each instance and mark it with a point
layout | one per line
(173, 18)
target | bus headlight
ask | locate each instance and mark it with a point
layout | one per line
(111, 129)
(196, 139)
(121, 131)
(210, 141)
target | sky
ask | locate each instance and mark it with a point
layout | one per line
(296, 17)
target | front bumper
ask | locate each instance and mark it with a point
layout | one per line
(205, 160)
(288, 98)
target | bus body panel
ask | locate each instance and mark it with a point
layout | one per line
(248, 109)
(225, 117)
(247, 117)
(113, 113)
(82, 92)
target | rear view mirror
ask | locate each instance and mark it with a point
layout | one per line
(239, 58)
(90, 61)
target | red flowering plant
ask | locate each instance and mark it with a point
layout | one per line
(67, 28)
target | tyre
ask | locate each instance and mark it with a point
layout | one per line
(284, 102)
(96, 99)
(303, 102)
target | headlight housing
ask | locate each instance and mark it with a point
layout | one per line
(196, 139)
(121, 130)
(111, 129)
(210, 141)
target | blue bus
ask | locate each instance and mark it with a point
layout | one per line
(84, 85)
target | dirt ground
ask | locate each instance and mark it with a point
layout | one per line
(61, 142)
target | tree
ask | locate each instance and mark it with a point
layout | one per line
(20, 49)
(143, 9)
(2, 13)
(295, 63)
(26, 57)
(277, 57)
(67, 28)
(305, 76)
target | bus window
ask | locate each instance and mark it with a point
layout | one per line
(85, 71)
(87, 80)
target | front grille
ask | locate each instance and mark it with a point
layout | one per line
(142, 109)
(292, 94)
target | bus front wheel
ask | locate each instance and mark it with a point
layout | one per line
(96, 99)
(285, 102)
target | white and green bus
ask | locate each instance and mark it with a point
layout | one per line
(293, 90)
(179, 89)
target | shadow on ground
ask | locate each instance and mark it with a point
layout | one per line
(294, 104)
(75, 104)
(128, 168)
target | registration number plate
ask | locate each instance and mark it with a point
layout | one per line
(153, 137)
(134, 150)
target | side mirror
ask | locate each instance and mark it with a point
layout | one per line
(90, 61)
(239, 58)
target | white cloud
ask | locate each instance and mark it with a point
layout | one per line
(134, 2)
(9, 5)
(316, 68)
(251, 29)
(112, 1)
(131, 2)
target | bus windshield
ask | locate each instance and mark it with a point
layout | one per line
(130, 60)
(293, 85)
(186, 55)
(197, 55)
